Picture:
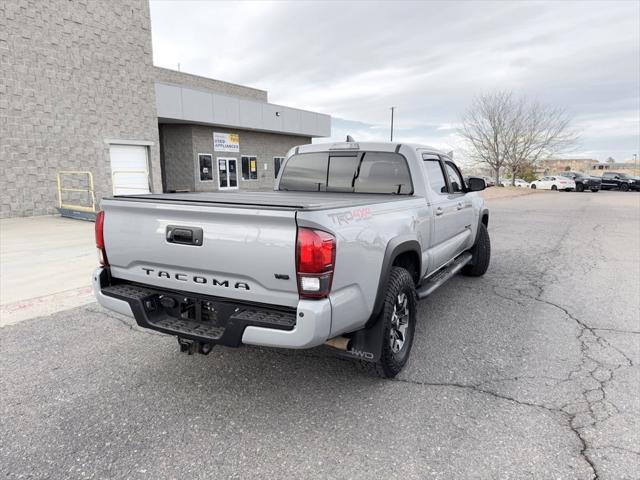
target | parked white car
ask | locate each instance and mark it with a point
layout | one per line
(519, 183)
(554, 183)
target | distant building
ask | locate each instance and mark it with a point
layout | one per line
(553, 165)
(615, 166)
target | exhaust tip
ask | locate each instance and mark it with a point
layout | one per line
(340, 343)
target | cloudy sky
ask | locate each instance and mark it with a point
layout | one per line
(353, 60)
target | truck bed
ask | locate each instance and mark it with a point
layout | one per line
(278, 200)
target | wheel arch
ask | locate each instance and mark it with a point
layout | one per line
(400, 252)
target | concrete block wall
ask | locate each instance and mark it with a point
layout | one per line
(177, 157)
(262, 145)
(180, 169)
(72, 74)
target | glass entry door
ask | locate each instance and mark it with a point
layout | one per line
(227, 173)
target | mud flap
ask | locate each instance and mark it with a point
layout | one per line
(365, 344)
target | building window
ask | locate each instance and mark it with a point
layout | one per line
(205, 163)
(249, 167)
(277, 162)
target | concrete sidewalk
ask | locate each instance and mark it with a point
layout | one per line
(45, 266)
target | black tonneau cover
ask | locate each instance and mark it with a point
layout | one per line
(272, 199)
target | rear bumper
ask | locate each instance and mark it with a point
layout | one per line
(308, 326)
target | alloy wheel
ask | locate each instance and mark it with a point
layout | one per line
(399, 323)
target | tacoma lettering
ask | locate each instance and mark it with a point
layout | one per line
(183, 277)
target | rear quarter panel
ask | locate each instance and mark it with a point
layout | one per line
(362, 234)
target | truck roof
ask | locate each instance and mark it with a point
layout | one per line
(359, 146)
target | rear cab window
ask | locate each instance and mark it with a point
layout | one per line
(435, 176)
(357, 172)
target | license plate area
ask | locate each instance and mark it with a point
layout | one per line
(193, 309)
(210, 319)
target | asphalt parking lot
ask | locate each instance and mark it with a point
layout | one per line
(529, 372)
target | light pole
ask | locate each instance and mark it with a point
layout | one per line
(392, 109)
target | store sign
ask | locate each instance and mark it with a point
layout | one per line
(226, 142)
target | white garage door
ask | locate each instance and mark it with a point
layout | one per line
(129, 169)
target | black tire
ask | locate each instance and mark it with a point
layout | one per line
(579, 187)
(400, 285)
(595, 190)
(480, 255)
(533, 187)
(553, 187)
(624, 187)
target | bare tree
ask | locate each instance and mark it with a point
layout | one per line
(514, 134)
(483, 128)
(537, 131)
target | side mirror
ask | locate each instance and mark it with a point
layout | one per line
(476, 184)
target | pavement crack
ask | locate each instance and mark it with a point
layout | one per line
(621, 449)
(556, 411)
(616, 330)
(477, 388)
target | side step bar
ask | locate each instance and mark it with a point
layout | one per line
(432, 283)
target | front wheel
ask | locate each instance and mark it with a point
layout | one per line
(480, 254)
(624, 187)
(594, 190)
(553, 187)
(399, 323)
(533, 187)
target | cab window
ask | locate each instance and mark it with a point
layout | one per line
(435, 175)
(455, 180)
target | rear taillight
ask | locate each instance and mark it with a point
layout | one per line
(315, 259)
(102, 252)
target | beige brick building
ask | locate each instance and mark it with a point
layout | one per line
(79, 93)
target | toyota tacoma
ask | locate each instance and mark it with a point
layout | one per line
(353, 235)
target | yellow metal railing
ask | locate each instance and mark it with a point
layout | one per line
(89, 190)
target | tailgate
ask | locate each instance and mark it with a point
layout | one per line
(245, 253)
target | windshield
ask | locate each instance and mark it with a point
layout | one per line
(353, 172)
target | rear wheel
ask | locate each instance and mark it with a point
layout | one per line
(533, 187)
(579, 187)
(399, 323)
(594, 190)
(480, 254)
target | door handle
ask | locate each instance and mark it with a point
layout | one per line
(439, 211)
(459, 206)
(184, 235)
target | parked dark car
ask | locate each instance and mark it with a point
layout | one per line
(584, 182)
(619, 181)
(489, 182)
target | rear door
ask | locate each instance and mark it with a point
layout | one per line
(129, 169)
(244, 253)
(608, 180)
(450, 235)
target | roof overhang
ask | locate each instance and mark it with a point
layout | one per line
(180, 104)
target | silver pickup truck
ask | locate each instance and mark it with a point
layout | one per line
(338, 254)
